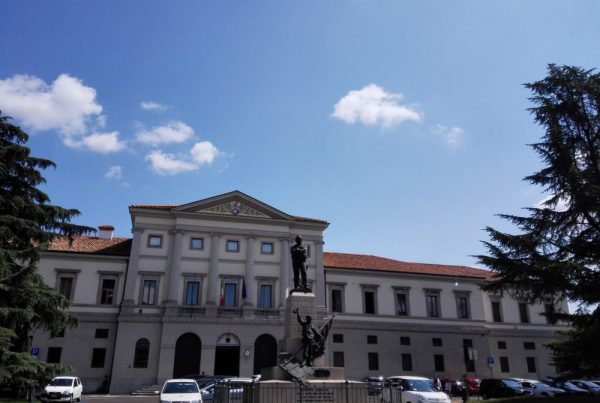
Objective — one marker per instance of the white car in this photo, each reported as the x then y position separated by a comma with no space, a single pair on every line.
180,390
412,389
62,389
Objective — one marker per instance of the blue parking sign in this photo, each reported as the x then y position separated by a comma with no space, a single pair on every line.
35,351
490,360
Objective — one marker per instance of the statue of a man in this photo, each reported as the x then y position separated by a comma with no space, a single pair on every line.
298,252
311,339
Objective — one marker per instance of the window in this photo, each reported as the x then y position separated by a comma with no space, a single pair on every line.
462,306
229,296
531,367
54,355
155,241
523,312
233,246
369,300
436,342
373,362
192,293
101,334
338,338
107,291
98,356
371,339
402,302
149,292
266,248
338,359
142,350
406,362
404,341
501,345
265,296
529,345
496,311
432,302
549,309
65,286
438,363
504,364
197,243
337,299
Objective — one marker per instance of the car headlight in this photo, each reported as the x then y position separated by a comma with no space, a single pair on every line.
66,393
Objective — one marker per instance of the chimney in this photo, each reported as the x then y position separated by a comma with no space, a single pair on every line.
105,231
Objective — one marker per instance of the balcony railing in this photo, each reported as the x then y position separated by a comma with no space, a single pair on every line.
189,311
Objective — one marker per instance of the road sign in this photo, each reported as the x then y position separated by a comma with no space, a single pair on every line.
490,360
35,351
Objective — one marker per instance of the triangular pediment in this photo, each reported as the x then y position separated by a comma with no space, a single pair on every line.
234,204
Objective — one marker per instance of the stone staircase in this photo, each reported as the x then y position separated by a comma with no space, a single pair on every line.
147,390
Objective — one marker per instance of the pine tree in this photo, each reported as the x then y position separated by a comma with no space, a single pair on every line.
28,223
556,253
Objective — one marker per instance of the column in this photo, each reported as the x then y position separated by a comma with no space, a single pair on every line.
175,267
249,273
320,274
284,270
132,267
213,269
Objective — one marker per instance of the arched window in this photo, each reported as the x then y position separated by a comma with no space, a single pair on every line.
142,349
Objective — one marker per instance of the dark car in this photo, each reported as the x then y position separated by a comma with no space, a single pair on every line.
491,387
572,389
375,384
587,385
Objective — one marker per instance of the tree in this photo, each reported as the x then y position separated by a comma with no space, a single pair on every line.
28,223
556,253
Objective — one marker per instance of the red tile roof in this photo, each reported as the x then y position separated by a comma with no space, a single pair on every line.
92,245
376,263
172,206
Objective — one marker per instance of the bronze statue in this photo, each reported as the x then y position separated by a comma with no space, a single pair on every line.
313,340
298,252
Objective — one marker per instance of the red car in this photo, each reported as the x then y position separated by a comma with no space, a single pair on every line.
473,385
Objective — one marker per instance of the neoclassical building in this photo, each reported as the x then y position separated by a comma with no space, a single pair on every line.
201,288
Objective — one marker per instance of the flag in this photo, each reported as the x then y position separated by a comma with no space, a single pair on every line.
244,295
222,298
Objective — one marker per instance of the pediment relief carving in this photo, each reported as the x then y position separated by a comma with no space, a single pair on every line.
233,208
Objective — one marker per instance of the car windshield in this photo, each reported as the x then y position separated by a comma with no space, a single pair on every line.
61,382
511,383
569,385
542,385
180,387
418,385
590,384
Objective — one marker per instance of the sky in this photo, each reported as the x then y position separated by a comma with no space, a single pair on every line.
404,124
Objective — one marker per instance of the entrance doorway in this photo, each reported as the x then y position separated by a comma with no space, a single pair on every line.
265,352
227,355
187,355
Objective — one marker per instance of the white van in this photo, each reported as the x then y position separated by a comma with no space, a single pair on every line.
412,389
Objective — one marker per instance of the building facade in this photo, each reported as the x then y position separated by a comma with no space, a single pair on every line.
201,288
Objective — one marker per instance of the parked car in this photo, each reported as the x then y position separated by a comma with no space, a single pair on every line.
234,386
180,390
62,389
572,389
539,388
491,387
473,385
411,389
456,388
375,384
587,385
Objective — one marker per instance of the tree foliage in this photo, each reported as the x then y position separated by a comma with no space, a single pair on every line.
28,223
556,253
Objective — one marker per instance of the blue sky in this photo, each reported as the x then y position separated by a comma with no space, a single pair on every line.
403,124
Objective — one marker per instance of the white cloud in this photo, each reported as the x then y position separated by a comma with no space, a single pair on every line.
103,143
452,135
152,106
373,106
114,172
168,164
66,105
561,204
204,153
172,132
